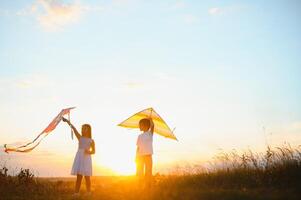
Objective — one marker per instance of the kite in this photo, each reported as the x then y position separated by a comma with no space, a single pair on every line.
161,127
33,144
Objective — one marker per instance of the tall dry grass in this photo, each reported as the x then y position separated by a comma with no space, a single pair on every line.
274,174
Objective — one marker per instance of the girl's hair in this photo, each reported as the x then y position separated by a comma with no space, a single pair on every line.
86,131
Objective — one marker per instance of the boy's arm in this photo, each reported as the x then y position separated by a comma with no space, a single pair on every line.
137,149
152,126
137,153
73,128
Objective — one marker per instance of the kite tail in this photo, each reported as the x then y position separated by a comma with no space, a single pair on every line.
26,147
22,146
22,149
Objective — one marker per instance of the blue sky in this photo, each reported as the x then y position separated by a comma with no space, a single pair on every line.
218,70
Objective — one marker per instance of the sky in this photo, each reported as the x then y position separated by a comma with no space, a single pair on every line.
224,73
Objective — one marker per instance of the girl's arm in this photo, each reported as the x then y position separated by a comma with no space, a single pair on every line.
92,148
73,128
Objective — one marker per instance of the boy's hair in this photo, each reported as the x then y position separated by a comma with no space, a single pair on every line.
144,124
86,130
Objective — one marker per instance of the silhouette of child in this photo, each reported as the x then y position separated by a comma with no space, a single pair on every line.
82,165
144,162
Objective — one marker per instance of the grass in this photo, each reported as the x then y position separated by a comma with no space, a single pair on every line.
276,174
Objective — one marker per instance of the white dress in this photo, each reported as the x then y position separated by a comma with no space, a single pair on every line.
82,164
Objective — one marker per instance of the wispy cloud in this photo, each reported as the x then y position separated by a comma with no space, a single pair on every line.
29,81
32,81
187,18
133,85
223,10
25,84
166,77
121,2
190,18
54,15
215,11
178,5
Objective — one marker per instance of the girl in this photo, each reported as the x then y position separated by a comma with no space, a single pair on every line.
82,165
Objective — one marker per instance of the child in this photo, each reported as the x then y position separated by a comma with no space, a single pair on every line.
82,165
144,162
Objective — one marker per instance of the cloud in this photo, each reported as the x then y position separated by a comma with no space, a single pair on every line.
24,84
133,85
215,11
223,10
32,81
178,5
54,15
166,77
57,15
122,2
28,81
190,18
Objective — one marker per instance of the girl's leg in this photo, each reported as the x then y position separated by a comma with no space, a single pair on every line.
88,183
78,182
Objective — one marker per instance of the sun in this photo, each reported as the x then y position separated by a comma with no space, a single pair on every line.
119,162
122,168
116,151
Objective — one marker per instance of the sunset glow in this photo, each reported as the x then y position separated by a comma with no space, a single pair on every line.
224,74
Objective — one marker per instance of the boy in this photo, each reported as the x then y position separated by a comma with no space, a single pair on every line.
144,162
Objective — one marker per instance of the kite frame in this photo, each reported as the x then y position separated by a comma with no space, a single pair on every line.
151,109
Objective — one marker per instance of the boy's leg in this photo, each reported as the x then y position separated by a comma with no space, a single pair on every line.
88,183
78,182
139,166
148,170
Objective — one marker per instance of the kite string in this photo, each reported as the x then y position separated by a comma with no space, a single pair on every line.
70,127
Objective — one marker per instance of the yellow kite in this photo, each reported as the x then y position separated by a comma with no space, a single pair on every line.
160,126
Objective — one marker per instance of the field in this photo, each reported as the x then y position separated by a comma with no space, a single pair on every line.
276,174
